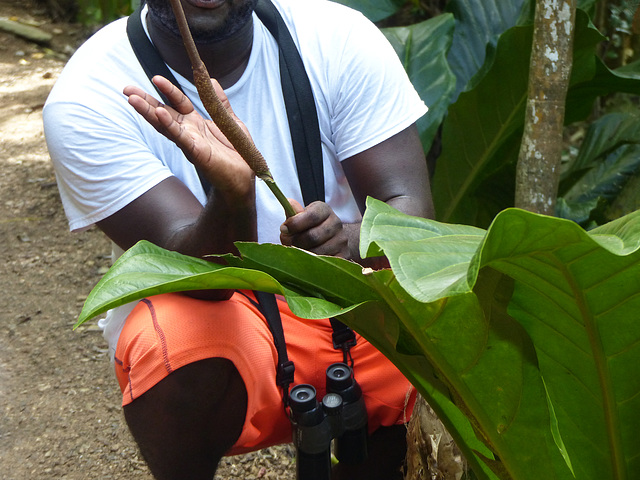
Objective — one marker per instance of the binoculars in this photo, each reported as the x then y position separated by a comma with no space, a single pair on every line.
341,415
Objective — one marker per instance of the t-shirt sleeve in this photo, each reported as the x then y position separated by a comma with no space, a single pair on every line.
101,164
375,99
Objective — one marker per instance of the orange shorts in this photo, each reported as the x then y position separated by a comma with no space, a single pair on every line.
166,332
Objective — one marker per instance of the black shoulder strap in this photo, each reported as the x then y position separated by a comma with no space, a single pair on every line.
147,54
300,105
268,306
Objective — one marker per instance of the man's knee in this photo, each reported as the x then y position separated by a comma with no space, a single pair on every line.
212,387
208,383
196,413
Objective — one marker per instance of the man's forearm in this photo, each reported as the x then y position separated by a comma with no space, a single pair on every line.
222,223
219,226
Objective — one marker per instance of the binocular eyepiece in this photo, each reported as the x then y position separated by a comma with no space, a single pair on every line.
341,415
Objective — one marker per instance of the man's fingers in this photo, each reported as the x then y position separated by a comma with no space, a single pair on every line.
132,91
144,108
297,207
310,227
176,98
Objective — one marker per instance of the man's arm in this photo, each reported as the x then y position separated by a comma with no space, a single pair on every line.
394,171
170,216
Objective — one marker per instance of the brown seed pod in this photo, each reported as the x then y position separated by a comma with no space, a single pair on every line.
227,125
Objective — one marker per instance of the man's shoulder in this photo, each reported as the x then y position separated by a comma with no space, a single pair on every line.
107,41
104,63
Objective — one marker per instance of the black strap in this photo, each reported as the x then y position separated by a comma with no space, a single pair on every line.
305,132
268,306
300,105
343,339
147,54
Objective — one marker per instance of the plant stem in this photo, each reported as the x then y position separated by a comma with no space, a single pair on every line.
273,186
228,126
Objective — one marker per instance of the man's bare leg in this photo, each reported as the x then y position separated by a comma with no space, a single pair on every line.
186,423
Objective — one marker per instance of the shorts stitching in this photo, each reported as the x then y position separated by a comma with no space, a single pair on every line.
161,336
128,372
130,384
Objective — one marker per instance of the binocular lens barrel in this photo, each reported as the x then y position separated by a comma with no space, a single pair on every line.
311,434
351,445
313,466
303,398
341,416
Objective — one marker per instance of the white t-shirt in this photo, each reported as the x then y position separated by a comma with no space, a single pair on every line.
106,155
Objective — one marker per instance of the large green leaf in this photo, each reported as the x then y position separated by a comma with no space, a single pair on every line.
577,294
471,318
422,48
147,270
481,127
602,81
478,24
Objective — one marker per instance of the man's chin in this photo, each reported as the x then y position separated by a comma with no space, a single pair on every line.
204,32
206,3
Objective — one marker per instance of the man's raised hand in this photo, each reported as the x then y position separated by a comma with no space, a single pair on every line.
200,139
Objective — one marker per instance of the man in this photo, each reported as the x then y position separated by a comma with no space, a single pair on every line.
197,374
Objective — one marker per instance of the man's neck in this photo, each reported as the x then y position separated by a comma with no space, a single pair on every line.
225,60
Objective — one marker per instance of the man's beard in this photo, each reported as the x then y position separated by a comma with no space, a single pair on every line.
239,15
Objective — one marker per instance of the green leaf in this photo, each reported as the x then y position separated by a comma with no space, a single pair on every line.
481,127
422,48
627,201
577,295
602,81
145,270
609,157
478,23
374,10
605,135
430,259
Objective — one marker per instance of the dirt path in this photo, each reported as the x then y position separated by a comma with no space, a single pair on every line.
59,403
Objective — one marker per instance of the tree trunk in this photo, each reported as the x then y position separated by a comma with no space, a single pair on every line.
431,452
538,170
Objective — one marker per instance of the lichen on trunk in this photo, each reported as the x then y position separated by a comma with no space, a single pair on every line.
538,170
